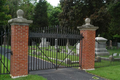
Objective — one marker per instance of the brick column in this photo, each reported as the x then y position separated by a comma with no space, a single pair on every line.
19,45
88,45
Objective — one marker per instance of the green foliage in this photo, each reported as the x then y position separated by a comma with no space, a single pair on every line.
114,11
74,12
28,9
53,18
116,36
40,18
4,17
29,77
25,5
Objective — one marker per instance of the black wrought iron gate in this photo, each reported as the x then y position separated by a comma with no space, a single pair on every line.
54,47
5,49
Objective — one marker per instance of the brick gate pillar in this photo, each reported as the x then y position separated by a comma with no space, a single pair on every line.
88,45
19,45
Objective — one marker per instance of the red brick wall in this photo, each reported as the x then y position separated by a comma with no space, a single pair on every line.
88,49
19,47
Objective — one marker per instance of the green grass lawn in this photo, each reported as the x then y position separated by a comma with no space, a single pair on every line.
7,76
109,63
111,51
4,66
111,72
29,77
50,54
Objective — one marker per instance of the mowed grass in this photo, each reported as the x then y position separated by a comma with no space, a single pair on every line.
111,51
5,76
108,70
105,63
29,77
50,54
4,65
111,72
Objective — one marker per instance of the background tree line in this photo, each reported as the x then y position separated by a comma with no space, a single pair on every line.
69,13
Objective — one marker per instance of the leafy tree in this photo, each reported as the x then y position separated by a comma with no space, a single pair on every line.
28,9
49,11
13,6
40,15
4,17
26,5
53,18
115,19
75,11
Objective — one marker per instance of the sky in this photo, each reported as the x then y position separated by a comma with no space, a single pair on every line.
53,2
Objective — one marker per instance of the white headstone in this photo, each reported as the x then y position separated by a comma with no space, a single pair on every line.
100,46
44,43
119,54
70,52
118,45
115,54
56,44
77,48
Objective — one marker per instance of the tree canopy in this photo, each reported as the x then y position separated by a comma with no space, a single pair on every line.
4,9
40,18
70,13
53,15
114,28
75,11
26,5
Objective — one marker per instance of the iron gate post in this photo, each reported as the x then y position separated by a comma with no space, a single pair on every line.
19,45
87,52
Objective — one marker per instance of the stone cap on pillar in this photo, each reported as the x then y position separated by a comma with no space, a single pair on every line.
20,20
87,25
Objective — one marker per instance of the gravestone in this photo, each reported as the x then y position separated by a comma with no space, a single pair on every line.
56,43
67,61
77,48
118,44
100,46
63,51
70,52
98,59
115,54
119,54
111,58
44,43
67,44
110,44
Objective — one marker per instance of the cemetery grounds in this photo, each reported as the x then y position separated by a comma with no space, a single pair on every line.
105,69
108,69
50,54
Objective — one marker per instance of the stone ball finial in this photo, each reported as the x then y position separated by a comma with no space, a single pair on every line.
87,21
20,13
